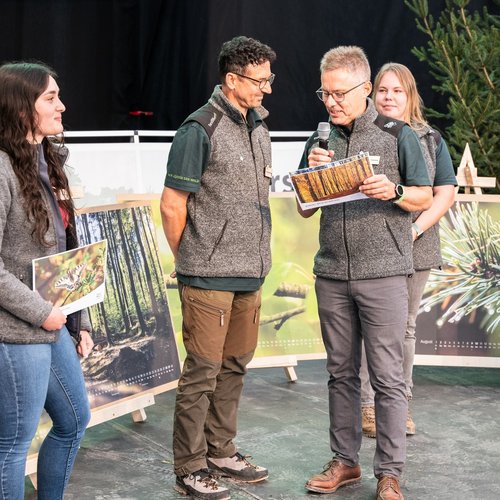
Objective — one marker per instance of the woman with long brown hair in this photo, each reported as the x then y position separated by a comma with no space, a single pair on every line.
39,365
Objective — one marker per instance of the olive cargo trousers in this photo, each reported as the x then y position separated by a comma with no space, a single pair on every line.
220,332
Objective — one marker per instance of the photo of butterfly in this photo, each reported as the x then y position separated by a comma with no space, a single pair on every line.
71,279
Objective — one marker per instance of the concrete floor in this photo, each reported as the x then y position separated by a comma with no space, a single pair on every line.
284,426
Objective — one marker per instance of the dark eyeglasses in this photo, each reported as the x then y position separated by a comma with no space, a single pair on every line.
337,96
262,83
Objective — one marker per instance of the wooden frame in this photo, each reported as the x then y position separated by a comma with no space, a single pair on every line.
467,175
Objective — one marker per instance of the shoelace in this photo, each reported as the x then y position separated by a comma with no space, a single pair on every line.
243,458
368,415
207,479
329,465
389,484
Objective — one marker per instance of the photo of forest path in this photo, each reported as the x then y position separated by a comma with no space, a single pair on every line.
132,329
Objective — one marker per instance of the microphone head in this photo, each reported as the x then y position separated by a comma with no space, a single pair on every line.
323,130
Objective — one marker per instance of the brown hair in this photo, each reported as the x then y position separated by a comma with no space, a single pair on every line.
413,114
21,83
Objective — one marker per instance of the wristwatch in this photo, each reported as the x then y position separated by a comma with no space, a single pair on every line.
400,194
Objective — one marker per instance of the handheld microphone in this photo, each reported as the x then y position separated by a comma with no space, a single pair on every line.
323,133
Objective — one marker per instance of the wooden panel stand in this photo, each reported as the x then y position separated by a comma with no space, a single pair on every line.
287,362
133,404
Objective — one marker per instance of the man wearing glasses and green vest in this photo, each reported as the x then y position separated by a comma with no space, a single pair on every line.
216,217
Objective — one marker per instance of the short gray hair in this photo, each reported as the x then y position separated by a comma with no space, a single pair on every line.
348,57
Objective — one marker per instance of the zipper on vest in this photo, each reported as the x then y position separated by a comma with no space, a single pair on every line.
251,145
257,186
344,221
220,312
219,238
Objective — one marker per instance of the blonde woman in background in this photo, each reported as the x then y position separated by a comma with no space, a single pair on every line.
395,95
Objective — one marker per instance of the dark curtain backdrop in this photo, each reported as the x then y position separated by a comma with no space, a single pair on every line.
160,56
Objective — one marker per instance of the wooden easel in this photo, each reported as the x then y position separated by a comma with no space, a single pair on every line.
467,175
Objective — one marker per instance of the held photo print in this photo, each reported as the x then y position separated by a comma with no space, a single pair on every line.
334,182
72,280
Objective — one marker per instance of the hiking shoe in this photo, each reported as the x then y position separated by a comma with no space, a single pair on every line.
201,484
368,421
388,489
411,428
335,475
239,468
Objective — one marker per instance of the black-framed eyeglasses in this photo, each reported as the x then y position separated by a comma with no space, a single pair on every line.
337,96
262,83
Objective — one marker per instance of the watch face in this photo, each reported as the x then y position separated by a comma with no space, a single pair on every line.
399,190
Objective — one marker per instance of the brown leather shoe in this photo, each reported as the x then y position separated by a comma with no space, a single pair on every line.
411,428
388,489
335,475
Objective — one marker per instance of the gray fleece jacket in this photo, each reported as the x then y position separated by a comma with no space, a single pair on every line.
22,311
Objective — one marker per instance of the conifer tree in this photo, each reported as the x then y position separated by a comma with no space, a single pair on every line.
463,52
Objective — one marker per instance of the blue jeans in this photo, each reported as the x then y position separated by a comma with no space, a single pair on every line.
33,377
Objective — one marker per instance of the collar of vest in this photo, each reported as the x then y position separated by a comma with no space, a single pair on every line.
366,119
219,100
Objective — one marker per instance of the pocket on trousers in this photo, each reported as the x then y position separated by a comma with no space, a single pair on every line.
205,321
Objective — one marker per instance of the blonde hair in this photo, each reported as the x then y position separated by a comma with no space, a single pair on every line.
413,114
348,57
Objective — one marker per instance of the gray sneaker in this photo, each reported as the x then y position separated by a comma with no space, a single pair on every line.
201,484
238,467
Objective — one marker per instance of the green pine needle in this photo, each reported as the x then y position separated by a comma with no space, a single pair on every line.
470,276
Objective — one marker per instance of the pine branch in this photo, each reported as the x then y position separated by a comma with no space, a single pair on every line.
474,46
469,280
462,100
463,53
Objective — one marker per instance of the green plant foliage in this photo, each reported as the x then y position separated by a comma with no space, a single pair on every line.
463,53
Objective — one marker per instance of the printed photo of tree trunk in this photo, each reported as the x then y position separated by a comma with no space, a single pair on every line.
134,339
332,180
